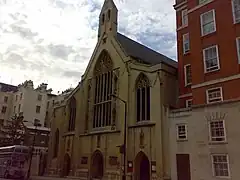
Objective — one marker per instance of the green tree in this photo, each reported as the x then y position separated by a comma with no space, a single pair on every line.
15,130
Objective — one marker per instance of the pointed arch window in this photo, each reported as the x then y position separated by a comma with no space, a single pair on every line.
88,106
109,14
103,18
143,98
103,73
56,143
72,117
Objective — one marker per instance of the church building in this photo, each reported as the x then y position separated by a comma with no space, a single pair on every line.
115,121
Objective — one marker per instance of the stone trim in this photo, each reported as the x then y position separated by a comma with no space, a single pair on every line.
176,6
185,95
100,132
199,6
208,83
142,124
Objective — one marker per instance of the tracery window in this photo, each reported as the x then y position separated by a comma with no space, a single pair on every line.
56,143
88,105
143,98
102,107
72,117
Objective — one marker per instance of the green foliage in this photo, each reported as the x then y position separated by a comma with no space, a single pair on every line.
15,129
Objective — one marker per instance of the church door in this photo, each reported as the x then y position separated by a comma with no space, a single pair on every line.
142,167
66,165
97,165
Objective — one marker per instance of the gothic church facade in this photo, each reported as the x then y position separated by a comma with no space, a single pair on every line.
123,79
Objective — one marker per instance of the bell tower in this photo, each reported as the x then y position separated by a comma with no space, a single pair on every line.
108,19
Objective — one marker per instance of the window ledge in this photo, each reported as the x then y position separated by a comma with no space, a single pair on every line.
223,177
143,123
188,85
199,6
186,53
212,71
236,22
216,102
100,132
182,27
217,142
209,34
182,140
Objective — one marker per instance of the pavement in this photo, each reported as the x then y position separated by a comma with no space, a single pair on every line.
51,178
43,178
46,178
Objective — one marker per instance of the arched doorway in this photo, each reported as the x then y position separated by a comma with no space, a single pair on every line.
66,165
142,167
97,165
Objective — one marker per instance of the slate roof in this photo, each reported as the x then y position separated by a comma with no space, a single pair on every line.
145,54
8,88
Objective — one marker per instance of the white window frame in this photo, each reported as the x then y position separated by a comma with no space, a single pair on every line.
184,16
213,139
186,36
187,101
214,20
213,169
238,48
207,94
185,74
234,17
204,59
178,136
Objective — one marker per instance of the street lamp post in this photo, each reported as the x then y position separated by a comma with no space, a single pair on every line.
32,148
125,135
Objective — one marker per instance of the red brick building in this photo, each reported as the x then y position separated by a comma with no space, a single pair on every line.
208,37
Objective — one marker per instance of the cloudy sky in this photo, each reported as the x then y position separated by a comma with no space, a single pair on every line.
51,41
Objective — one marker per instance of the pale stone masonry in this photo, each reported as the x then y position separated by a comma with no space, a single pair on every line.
88,128
211,140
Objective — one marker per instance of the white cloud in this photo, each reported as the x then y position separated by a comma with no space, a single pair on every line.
52,40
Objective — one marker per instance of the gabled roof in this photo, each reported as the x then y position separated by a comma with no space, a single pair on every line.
143,53
8,88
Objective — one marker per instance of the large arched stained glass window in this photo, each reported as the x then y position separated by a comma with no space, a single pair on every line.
103,73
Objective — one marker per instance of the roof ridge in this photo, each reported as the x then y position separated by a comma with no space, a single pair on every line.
145,46
143,52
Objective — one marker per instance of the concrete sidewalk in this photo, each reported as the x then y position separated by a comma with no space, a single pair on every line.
52,178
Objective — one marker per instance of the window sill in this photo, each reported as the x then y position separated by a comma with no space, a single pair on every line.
143,123
199,6
102,129
94,132
186,53
182,140
182,27
209,34
236,22
214,102
217,142
223,177
212,71
188,85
